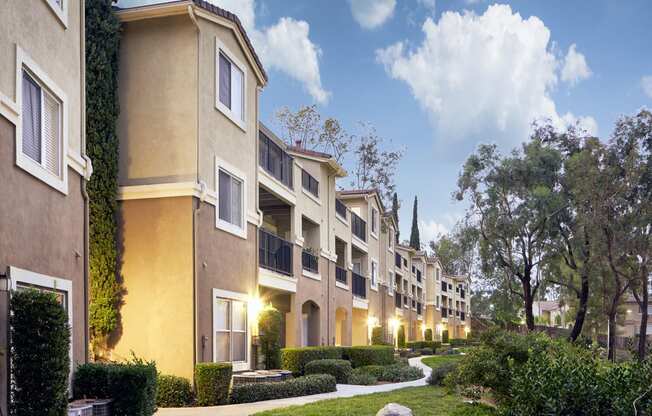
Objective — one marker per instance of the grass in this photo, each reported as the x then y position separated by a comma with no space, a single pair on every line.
424,401
435,361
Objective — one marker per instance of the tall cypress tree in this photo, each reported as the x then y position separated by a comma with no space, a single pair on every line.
415,242
395,213
102,45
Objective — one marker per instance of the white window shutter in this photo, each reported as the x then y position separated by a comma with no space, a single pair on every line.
51,134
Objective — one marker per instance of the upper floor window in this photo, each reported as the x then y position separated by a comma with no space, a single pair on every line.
309,183
358,227
60,10
274,160
374,274
231,86
231,201
374,221
340,208
405,263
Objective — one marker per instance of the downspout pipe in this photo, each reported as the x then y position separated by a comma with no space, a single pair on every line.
88,171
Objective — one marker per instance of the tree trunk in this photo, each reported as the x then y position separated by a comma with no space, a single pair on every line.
581,309
611,339
528,300
642,339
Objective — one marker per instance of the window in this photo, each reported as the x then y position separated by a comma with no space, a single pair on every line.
405,263
231,86
309,183
230,320
231,200
41,143
274,160
414,269
374,274
374,221
60,9
437,274
391,283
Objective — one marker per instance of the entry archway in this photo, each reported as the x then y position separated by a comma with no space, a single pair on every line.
310,324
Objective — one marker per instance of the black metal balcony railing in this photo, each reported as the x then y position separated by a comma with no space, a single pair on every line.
340,274
450,312
462,293
418,308
457,313
309,183
309,262
358,227
340,208
444,313
444,287
418,275
275,161
275,253
397,260
397,300
463,316
359,285
414,303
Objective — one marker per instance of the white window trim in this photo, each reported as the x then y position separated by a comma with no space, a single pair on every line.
219,46
17,275
373,233
60,12
373,286
242,297
219,223
60,183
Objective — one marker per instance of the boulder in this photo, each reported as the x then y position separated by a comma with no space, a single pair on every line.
394,409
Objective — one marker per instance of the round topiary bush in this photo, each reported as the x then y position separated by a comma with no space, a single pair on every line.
401,337
340,369
173,391
269,329
40,359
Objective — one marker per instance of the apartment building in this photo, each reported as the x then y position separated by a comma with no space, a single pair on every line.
42,162
631,325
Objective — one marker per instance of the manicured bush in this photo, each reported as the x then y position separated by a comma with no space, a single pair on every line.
295,359
373,370
212,382
400,337
301,386
173,391
340,369
457,342
419,345
439,373
131,385
401,361
428,334
362,379
269,329
444,336
399,373
377,336
40,360
371,355
426,351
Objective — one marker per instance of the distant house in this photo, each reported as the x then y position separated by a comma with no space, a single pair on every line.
550,313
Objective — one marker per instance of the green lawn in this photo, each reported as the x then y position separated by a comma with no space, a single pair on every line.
434,361
424,401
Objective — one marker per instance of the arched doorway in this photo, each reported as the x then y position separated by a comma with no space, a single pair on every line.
310,324
340,326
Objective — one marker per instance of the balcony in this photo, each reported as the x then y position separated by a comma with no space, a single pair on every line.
358,227
463,316
275,253
397,300
418,275
397,260
275,161
444,286
359,286
309,183
414,304
340,275
462,293
340,208
444,313
406,302
309,261
418,308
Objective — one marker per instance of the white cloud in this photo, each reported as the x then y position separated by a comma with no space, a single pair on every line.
431,230
372,13
646,83
483,76
285,46
575,67
428,4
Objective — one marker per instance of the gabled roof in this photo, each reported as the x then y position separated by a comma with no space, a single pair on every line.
363,192
318,157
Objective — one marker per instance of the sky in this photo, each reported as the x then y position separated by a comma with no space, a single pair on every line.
438,77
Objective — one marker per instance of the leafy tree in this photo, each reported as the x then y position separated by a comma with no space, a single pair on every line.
415,241
269,328
458,250
395,207
102,47
512,197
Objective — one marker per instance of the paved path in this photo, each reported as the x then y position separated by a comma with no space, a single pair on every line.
343,390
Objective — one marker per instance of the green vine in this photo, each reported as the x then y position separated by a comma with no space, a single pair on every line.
102,46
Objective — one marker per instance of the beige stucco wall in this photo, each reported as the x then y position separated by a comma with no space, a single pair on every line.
157,268
157,126
34,27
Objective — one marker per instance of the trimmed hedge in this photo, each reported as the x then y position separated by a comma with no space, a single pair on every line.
439,373
340,369
398,373
419,345
400,337
373,370
444,336
371,355
173,391
212,381
295,359
301,386
40,362
426,351
131,385
269,328
377,336
360,378
457,342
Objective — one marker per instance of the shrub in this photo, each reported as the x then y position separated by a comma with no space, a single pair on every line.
439,373
457,342
340,369
362,379
301,386
40,362
269,329
212,381
401,361
295,359
400,337
173,391
371,355
373,370
419,345
131,385
377,336
444,336
428,334
426,351
399,373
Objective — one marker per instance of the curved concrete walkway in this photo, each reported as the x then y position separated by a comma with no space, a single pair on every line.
343,390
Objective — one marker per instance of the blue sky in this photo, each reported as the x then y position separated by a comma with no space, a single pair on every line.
437,77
